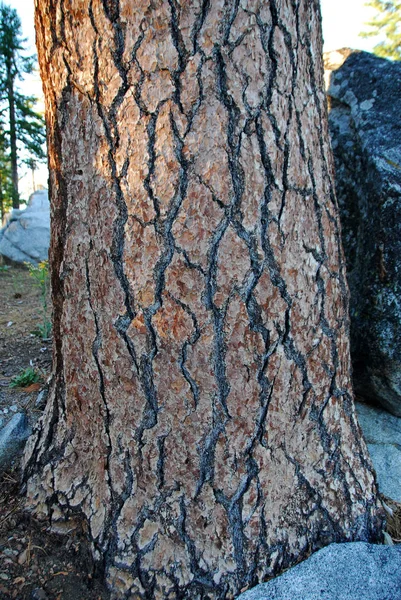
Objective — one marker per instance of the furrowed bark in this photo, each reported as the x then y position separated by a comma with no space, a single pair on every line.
201,417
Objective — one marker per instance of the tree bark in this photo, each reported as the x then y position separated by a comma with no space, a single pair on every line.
200,415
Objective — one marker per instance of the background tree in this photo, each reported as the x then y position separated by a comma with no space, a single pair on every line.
25,127
6,187
387,24
32,166
200,416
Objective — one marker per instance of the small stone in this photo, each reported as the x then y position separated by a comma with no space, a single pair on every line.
4,576
39,594
14,408
23,557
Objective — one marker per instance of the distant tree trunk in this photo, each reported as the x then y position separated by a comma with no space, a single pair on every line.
2,211
13,140
200,415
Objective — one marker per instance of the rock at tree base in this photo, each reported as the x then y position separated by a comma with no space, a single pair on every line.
338,572
26,236
365,98
12,439
382,433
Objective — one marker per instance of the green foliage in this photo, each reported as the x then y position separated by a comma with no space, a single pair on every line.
386,23
30,126
23,128
40,275
26,377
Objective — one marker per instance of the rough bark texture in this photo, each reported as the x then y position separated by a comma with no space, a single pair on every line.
200,413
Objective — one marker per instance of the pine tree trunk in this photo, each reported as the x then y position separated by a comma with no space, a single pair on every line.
13,140
200,415
2,211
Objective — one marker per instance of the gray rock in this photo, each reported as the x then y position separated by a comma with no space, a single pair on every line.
364,97
39,594
354,571
378,426
387,463
26,235
382,433
12,439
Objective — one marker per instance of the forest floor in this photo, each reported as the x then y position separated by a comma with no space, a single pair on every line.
35,564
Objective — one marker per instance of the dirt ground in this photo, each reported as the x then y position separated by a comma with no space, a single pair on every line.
34,563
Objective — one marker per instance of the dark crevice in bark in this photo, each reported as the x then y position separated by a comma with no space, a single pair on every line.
266,219
202,578
112,513
287,128
112,10
52,15
96,345
207,451
189,343
233,508
143,111
255,316
110,124
197,26
218,315
116,508
182,52
194,110
297,357
336,532
233,133
188,262
151,133
230,10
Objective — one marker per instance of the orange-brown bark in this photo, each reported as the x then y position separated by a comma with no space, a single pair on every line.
200,414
